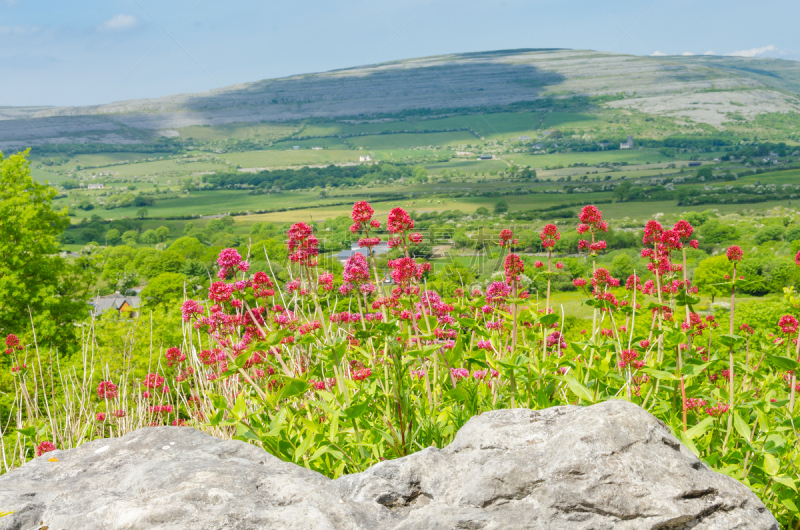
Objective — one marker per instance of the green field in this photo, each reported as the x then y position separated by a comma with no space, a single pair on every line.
300,157
405,141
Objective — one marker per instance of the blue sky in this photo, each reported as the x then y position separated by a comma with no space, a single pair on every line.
92,52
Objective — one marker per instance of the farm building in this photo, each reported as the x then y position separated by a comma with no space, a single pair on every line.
125,306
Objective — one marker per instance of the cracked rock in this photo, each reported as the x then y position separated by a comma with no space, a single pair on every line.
611,465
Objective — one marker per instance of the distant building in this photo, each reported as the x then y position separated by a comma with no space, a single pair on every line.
628,144
695,164
125,306
316,148
364,158
296,147
523,138
96,186
380,248
486,157
538,146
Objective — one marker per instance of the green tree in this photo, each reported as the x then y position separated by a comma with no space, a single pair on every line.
162,233
163,290
622,266
501,206
188,227
188,247
130,237
113,237
32,275
141,213
149,237
710,273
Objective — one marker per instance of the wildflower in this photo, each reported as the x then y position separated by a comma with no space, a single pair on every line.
695,403
484,345
100,417
356,269
513,268
415,238
602,278
229,260
597,247
399,221
174,356
360,375
797,258
190,308
717,410
630,357
45,447
459,373
302,245
684,229
590,215
559,265
362,215
538,264
497,292
579,282
652,232
556,339
506,236
153,381
549,236
119,413
644,344
12,342
325,281
788,324
107,390
734,253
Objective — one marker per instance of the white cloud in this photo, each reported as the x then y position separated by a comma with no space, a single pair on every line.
687,54
754,52
16,31
658,54
710,53
120,23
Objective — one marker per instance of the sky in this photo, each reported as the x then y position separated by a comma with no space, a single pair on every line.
90,52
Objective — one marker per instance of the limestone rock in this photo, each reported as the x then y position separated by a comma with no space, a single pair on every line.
611,465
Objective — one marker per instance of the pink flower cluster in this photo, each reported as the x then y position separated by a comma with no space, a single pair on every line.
107,390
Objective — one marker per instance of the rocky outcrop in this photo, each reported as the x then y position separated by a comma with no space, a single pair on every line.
611,465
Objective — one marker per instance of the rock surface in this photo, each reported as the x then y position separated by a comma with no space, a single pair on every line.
611,465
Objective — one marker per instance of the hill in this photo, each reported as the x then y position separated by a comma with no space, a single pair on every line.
700,90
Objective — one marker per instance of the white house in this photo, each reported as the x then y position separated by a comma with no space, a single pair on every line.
96,186
364,158
628,144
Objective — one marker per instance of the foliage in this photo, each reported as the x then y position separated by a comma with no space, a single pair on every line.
35,283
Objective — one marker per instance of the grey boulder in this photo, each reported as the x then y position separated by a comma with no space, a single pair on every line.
611,465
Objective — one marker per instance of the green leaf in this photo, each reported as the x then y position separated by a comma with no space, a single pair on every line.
292,387
549,320
771,465
689,443
730,340
30,432
579,390
239,408
786,481
658,374
784,363
699,429
741,426
355,411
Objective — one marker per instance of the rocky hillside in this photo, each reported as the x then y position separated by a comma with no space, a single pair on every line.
701,89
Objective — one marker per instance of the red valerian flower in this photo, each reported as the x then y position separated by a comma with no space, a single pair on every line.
45,447
325,281
506,236
190,308
652,232
549,236
362,213
590,215
735,253
788,324
101,417
302,244
513,268
399,221
174,355
415,238
797,258
153,381
684,229
12,341
579,282
107,390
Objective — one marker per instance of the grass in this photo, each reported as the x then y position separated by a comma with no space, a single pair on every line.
291,157
239,131
405,141
592,158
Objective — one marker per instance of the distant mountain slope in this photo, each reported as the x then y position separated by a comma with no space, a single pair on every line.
703,89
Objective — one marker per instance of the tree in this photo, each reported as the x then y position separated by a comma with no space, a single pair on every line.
164,289
162,233
711,272
32,275
130,237
149,237
188,227
501,206
113,237
141,213
482,211
188,247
